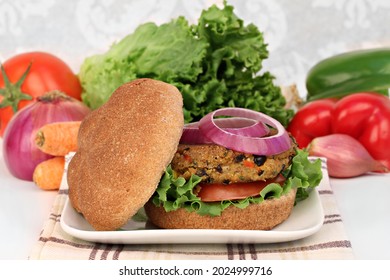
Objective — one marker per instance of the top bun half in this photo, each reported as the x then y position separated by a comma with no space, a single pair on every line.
123,148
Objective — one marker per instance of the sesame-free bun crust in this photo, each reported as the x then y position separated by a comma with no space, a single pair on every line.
263,216
123,148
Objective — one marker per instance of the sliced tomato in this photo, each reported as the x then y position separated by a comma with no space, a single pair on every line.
219,192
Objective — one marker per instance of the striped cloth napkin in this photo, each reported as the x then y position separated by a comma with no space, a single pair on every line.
330,242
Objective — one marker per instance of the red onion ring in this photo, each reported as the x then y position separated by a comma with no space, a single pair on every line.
236,125
269,145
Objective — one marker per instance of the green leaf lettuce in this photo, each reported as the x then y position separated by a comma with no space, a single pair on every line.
215,63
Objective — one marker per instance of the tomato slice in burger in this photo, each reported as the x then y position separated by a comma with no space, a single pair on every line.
219,192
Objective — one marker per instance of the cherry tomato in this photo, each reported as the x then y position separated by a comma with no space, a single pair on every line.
46,73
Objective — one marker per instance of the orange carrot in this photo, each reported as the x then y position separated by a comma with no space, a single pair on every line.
59,138
48,174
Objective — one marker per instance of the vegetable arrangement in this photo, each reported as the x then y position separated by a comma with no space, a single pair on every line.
27,76
214,64
21,155
348,97
363,116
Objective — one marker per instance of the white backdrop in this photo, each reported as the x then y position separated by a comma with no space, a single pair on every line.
299,33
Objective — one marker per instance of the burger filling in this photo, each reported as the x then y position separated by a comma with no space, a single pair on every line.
234,157
226,174
209,178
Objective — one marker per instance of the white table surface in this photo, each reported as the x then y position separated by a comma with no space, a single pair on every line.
364,203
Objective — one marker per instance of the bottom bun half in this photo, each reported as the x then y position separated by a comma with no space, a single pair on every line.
263,216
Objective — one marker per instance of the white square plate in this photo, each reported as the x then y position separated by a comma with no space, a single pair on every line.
306,218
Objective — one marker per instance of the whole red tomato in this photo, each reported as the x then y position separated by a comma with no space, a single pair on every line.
46,73
314,119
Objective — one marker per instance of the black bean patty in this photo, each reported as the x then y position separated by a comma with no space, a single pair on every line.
217,164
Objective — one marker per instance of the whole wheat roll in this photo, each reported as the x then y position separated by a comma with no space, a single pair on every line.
263,216
123,148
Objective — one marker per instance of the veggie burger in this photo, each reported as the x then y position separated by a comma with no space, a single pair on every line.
234,169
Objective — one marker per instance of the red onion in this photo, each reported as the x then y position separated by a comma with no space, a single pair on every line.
239,126
268,145
20,152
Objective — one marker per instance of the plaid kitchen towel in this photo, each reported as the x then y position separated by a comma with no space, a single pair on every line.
330,242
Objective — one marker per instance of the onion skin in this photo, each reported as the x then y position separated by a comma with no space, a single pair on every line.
346,156
21,155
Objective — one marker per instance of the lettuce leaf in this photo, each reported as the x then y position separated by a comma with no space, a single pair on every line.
159,52
215,63
175,192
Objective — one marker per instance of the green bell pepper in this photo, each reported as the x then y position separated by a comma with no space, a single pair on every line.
350,72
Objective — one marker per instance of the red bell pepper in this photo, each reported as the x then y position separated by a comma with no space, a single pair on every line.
364,116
